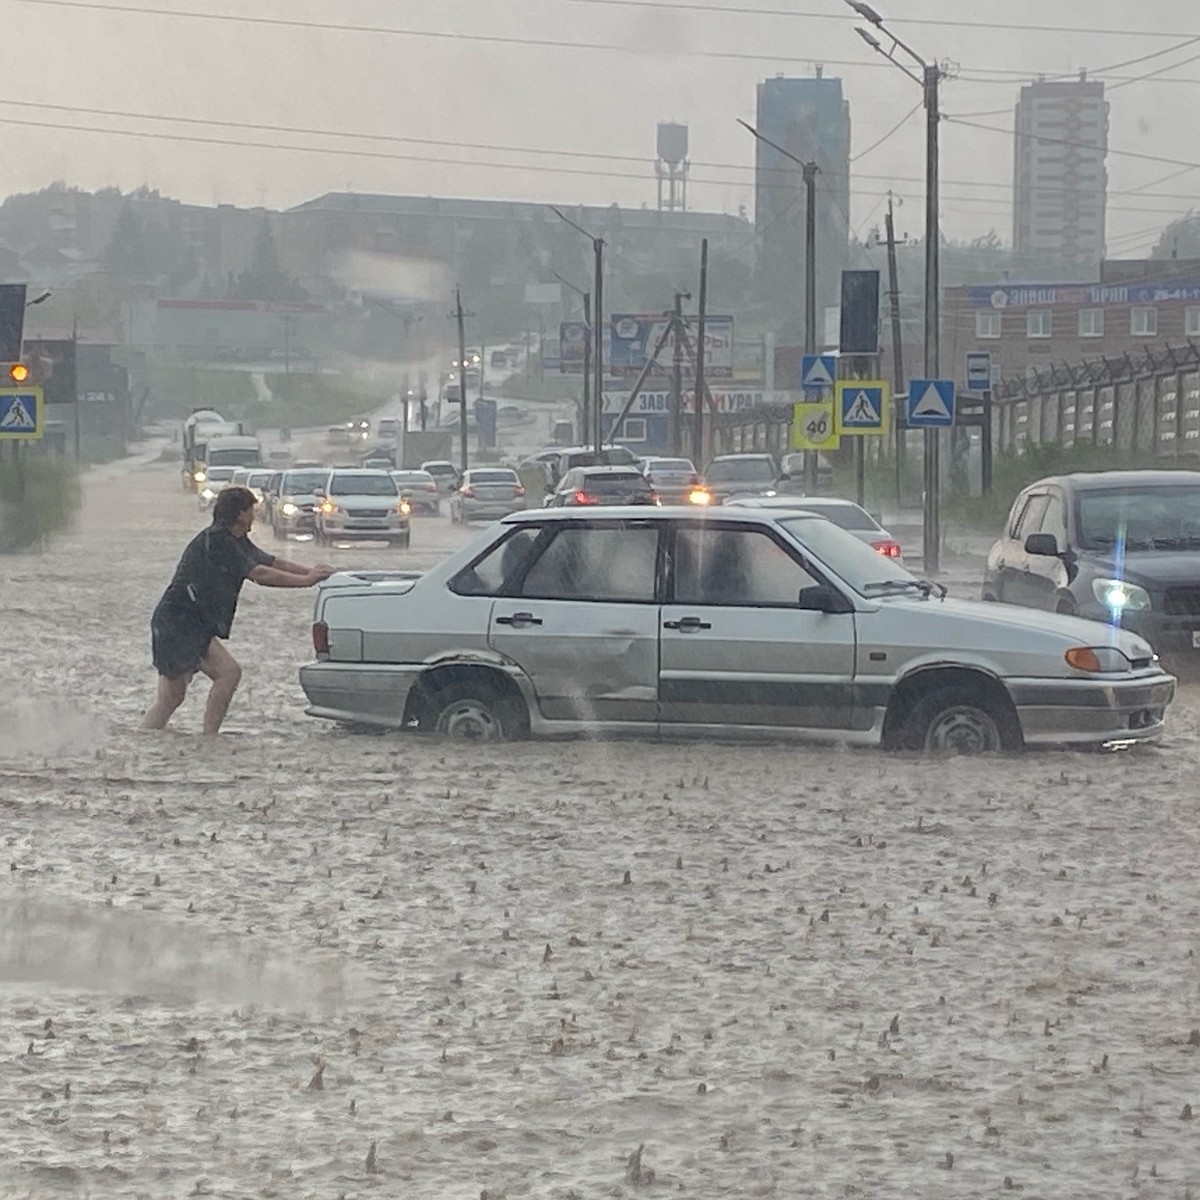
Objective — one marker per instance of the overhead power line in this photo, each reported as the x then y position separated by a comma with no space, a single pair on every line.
838,15
972,74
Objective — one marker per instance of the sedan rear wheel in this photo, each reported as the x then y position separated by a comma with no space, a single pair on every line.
479,716
960,721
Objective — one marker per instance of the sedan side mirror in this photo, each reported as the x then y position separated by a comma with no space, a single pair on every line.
825,599
1042,545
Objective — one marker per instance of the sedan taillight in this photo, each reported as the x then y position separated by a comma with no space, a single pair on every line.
320,637
585,498
888,549
518,490
467,491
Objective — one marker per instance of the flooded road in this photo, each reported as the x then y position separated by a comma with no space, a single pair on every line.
296,962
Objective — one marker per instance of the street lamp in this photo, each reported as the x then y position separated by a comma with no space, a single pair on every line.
39,299
928,79
586,297
597,325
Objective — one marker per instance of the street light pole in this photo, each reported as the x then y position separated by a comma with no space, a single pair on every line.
929,80
597,325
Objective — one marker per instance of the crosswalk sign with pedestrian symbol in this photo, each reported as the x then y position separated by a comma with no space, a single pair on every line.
21,415
861,407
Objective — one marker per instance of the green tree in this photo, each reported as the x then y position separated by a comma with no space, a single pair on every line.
1180,239
265,279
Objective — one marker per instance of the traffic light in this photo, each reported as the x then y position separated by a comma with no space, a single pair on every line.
14,373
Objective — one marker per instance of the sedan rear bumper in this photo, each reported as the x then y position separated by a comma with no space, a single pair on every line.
358,693
1092,712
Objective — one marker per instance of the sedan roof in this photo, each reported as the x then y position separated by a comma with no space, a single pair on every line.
634,512
1088,481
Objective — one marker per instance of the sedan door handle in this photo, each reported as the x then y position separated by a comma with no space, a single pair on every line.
521,618
687,624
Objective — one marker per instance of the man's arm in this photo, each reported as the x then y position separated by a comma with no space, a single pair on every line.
291,568
275,577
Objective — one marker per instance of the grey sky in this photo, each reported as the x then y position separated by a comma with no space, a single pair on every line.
600,102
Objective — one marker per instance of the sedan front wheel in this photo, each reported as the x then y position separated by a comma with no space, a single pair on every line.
958,720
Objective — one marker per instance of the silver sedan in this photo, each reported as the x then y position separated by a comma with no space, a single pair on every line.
714,623
485,494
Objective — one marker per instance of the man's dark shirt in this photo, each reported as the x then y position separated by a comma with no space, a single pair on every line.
209,578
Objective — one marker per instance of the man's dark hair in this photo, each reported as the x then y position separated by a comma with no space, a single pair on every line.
230,504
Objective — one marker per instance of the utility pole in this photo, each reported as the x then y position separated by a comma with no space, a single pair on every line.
932,533
598,351
811,171
675,416
898,384
700,332
928,80
586,415
462,379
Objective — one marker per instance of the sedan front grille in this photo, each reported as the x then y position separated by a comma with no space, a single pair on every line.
368,513
1182,602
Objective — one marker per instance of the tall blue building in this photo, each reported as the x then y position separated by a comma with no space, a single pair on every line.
810,118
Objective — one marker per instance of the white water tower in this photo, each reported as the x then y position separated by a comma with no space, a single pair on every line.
672,166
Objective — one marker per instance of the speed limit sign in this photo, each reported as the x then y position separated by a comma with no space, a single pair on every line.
812,426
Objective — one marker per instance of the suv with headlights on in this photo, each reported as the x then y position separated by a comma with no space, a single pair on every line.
359,506
1118,546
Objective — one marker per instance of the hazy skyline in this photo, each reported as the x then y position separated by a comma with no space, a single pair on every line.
671,62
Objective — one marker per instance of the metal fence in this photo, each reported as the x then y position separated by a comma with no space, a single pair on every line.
1147,404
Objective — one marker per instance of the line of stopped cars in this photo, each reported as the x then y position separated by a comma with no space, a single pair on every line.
767,615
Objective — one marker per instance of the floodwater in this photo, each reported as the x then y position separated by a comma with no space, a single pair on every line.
296,962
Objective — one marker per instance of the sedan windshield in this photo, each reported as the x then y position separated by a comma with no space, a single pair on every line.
741,470
220,474
1160,518
362,485
867,572
303,483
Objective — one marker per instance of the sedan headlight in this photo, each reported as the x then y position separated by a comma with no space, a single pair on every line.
207,494
1102,659
328,507
1119,597
200,476
700,496
288,509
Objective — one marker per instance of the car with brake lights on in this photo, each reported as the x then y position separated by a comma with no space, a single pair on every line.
216,480
358,505
1116,546
703,623
741,475
845,514
291,500
676,480
486,494
421,490
590,487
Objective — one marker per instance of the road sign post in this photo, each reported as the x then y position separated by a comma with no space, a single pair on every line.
931,403
22,415
813,426
861,407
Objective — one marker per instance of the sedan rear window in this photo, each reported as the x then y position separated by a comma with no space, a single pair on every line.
493,477
362,485
844,516
614,481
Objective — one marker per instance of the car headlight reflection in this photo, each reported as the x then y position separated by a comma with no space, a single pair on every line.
1119,596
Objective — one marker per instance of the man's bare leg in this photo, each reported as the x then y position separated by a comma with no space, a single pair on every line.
222,668
170,696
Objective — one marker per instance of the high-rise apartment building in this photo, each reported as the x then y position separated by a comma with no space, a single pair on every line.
1059,179
810,119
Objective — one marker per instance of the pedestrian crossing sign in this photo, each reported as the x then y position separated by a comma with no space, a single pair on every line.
861,407
21,416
